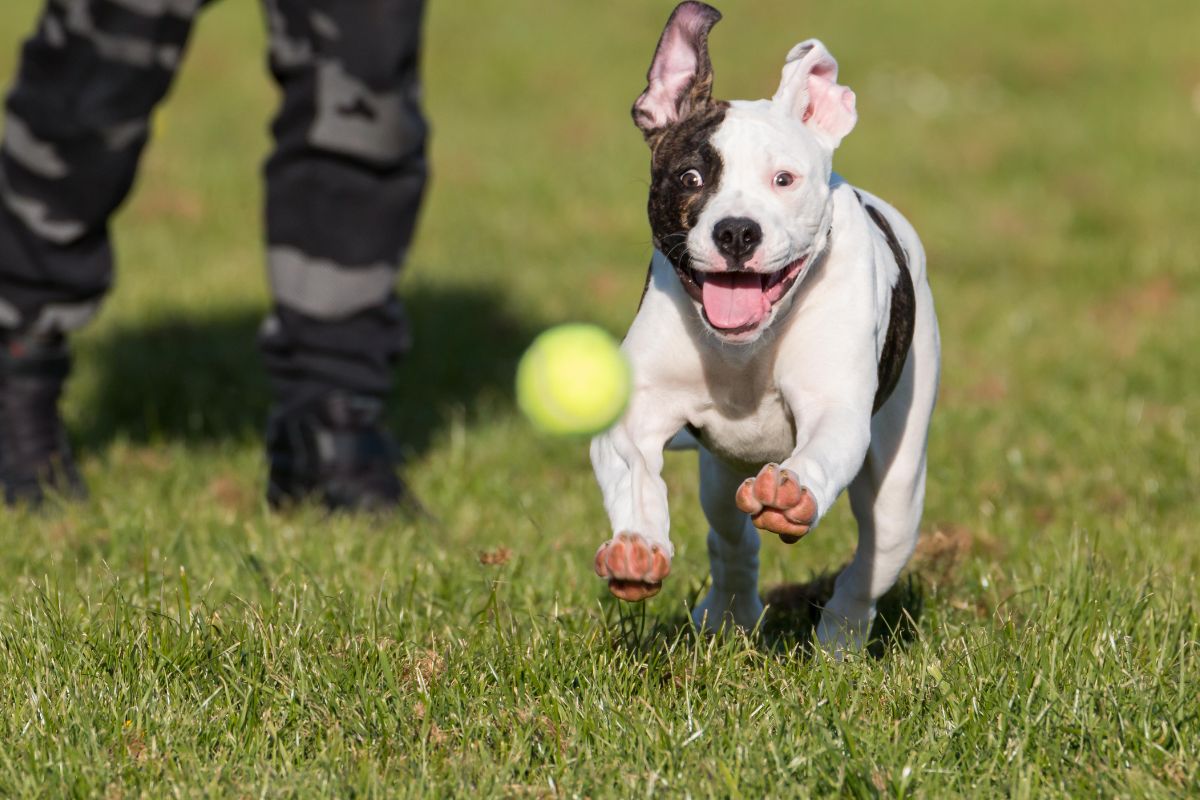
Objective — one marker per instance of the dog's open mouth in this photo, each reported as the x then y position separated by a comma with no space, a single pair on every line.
738,302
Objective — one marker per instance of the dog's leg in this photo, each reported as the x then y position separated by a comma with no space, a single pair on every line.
732,552
887,508
887,497
789,498
628,462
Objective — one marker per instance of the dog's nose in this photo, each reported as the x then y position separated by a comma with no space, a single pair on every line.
736,238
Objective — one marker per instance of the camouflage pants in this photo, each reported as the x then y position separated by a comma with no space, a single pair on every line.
344,182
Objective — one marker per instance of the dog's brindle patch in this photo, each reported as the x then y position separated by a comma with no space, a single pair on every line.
901,317
674,208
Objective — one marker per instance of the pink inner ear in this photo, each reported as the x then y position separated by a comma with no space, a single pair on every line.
676,61
674,65
830,105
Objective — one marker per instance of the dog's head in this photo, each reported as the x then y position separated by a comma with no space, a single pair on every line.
739,195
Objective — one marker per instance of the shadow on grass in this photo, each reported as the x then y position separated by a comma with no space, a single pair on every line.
201,379
793,611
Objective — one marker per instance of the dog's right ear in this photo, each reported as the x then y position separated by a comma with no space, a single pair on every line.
680,76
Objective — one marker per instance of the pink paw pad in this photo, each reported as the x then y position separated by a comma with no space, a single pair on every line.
634,567
776,502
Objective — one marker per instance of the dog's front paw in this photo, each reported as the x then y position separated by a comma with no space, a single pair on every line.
777,502
634,567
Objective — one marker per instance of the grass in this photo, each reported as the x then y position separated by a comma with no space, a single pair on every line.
173,637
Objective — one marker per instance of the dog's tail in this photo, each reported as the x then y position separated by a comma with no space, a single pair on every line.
683,440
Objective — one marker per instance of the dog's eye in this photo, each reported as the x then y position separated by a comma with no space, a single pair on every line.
692,179
784,179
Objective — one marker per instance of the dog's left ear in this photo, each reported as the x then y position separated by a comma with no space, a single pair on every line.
680,76
810,92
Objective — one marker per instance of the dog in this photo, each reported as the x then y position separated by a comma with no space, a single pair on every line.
787,329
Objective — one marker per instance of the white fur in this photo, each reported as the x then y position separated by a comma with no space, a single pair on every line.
799,391
756,142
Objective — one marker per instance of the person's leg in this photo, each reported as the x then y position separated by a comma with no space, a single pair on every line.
75,126
344,185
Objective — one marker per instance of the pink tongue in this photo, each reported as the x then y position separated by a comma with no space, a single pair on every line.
734,299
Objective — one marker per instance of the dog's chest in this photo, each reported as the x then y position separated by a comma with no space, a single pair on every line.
744,420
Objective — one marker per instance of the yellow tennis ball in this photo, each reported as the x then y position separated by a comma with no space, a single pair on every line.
573,379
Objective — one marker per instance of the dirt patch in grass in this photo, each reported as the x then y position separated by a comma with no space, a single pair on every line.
940,553
1126,314
231,494
495,557
425,666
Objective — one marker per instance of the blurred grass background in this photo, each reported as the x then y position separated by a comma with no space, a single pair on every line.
1047,154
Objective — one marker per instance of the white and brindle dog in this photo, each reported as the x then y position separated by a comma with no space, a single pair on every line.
787,326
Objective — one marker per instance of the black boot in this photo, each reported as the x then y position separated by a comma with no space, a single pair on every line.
332,448
34,454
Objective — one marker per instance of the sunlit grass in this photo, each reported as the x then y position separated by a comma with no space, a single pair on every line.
173,637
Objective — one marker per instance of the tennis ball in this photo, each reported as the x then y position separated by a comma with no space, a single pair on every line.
573,379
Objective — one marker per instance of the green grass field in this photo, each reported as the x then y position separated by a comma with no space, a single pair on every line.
171,637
